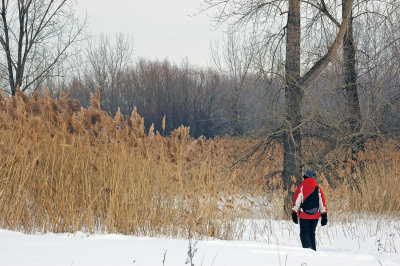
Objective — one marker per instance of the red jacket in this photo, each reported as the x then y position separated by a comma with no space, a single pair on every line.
302,192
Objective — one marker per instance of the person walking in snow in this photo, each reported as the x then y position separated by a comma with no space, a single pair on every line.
308,206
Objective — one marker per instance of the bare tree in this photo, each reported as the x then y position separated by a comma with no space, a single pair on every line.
35,35
235,62
107,59
378,16
257,14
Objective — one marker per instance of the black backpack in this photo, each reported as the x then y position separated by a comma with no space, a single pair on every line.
311,204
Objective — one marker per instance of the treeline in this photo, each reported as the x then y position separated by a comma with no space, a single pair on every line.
213,103
185,95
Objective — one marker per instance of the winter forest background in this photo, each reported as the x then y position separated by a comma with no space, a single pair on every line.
241,92
96,138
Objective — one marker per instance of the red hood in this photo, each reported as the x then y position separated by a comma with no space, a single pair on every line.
309,185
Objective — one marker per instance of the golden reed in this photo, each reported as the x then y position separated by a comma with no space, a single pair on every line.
64,168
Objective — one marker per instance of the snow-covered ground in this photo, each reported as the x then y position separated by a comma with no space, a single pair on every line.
265,243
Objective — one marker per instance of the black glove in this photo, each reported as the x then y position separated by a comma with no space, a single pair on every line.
324,219
294,217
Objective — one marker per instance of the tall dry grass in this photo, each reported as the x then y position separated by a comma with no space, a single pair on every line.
65,168
369,184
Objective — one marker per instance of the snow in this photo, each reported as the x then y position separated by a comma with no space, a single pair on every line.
265,242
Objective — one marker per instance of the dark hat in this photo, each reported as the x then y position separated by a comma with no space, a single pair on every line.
310,173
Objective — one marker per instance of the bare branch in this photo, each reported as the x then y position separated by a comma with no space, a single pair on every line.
324,61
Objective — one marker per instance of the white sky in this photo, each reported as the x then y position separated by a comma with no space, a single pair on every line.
160,28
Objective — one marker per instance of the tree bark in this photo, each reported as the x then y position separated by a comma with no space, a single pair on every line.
293,100
350,80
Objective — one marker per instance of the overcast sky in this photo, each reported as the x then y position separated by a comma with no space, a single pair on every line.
160,28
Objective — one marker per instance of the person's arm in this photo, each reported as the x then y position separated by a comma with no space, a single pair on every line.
322,208
297,200
322,205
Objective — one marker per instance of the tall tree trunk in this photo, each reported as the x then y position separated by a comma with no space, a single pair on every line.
350,80
350,87
293,101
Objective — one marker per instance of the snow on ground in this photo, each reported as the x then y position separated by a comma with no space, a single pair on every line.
266,243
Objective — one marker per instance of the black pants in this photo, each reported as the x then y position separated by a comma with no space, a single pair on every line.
307,233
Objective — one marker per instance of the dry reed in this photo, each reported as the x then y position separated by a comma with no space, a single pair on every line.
65,168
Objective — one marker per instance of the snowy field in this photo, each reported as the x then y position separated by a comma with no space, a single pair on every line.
265,243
